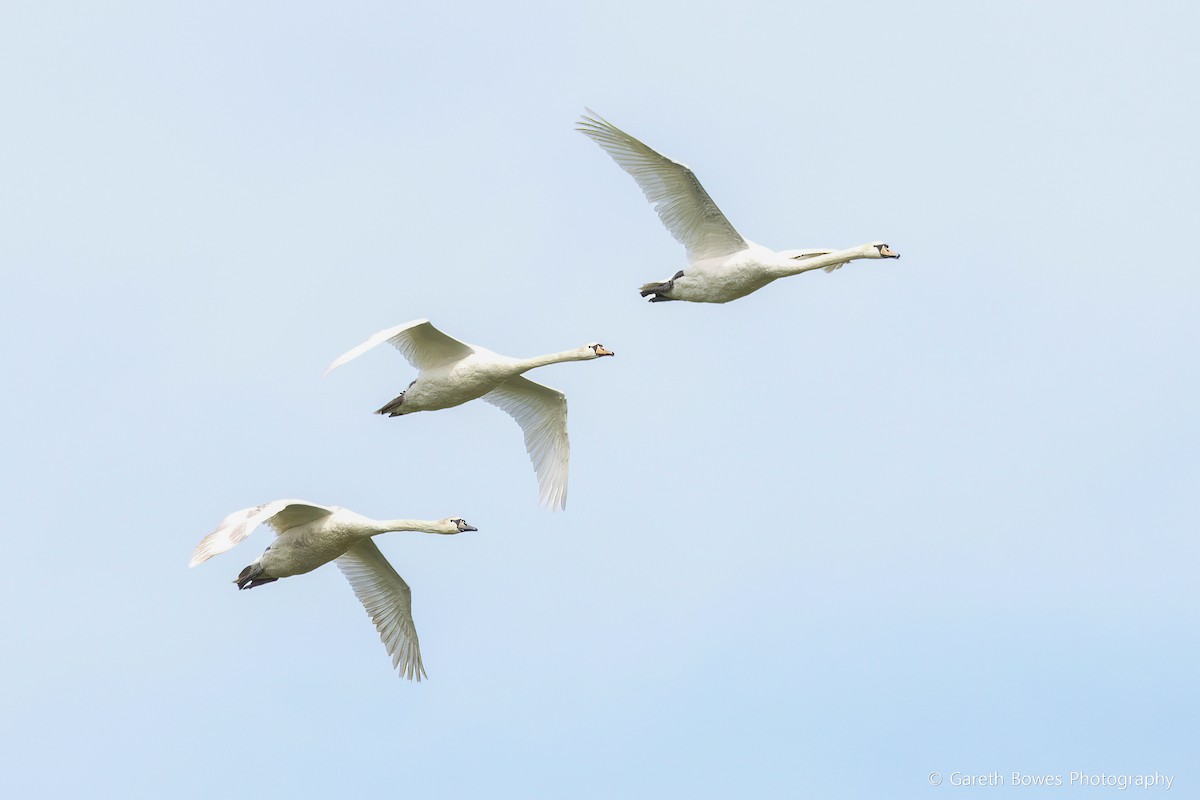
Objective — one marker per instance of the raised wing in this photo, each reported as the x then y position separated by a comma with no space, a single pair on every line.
279,514
542,414
672,188
422,344
388,600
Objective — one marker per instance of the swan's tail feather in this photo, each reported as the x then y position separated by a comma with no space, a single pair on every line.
654,288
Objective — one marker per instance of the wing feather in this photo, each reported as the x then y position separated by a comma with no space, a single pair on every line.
542,414
388,601
418,341
672,188
279,514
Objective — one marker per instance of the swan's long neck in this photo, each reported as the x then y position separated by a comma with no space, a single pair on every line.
580,354
791,266
375,527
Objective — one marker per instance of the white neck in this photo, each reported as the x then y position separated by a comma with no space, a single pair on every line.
791,266
374,527
578,354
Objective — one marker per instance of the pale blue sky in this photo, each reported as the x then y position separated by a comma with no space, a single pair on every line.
933,514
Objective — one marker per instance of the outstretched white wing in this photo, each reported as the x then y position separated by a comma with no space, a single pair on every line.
279,514
388,600
672,188
422,344
542,414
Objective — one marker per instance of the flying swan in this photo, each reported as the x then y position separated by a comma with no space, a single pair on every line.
723,266
452,373
309,535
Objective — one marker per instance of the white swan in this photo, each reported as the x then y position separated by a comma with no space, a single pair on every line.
723,266
451,373
310,535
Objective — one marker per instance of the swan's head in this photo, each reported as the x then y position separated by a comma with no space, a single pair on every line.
598,350
455,525
881,251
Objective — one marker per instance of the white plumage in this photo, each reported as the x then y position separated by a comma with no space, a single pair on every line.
453,373
309,535
723,265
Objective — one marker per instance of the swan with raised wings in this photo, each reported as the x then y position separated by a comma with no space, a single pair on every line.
723,266
453,373
309,535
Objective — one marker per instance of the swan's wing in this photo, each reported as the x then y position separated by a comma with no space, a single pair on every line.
422,344
672,188
542,414
279,514
296,514
388,600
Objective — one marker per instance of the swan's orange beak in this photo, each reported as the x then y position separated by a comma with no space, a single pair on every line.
602,351
887,252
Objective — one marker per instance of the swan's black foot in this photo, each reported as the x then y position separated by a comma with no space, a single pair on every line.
249,577
392,409
660,289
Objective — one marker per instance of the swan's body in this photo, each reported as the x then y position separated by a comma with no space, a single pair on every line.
309,535
723,265
453,373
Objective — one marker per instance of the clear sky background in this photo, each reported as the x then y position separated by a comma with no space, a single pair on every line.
928,514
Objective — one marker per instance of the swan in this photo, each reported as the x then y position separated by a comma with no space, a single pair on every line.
309,535
452,373
723,266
